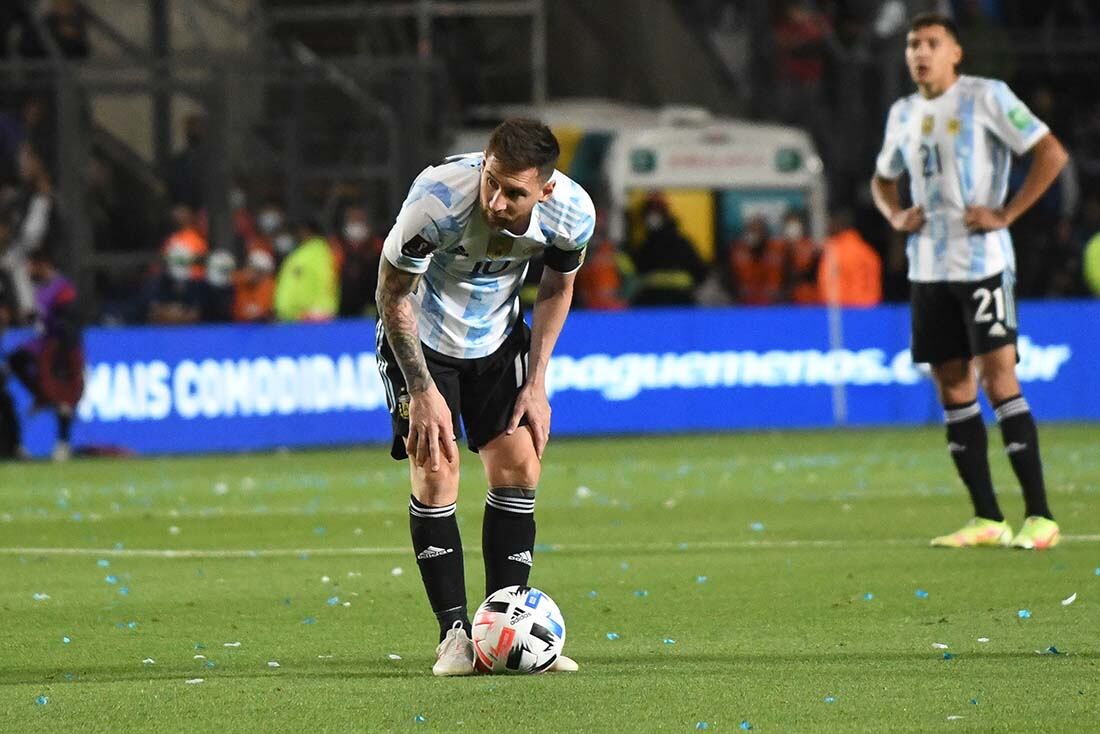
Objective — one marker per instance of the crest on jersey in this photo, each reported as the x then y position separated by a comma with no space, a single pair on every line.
954,125
499,246
927,125
417,247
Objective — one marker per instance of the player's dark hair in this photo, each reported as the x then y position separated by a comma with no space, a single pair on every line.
927,20
520,143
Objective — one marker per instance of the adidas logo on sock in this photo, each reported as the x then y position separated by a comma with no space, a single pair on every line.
432,552
524,558
955,448
997,330
1014,447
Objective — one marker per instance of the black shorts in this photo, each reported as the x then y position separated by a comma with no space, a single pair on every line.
960,320
481,391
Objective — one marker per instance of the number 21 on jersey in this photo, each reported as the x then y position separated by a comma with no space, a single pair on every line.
930,160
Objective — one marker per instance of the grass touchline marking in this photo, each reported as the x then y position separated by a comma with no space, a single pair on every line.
185,553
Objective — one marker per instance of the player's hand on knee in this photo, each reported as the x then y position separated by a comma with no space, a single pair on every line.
533,403
908,220
431,433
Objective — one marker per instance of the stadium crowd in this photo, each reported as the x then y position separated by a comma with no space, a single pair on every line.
278,269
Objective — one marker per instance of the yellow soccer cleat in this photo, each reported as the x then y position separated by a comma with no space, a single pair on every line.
1038,533
978,533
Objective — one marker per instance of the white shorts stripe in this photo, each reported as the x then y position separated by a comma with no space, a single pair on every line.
383,365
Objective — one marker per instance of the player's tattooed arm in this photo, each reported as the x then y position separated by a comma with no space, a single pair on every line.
399,322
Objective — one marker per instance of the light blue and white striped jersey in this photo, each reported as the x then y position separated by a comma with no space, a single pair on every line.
468,297
958,149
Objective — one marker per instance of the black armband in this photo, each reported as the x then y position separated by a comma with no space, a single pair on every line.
563,261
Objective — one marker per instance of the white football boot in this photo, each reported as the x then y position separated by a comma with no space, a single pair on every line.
563,665
61,451
455,655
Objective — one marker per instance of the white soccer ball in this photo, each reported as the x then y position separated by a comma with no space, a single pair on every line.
517,630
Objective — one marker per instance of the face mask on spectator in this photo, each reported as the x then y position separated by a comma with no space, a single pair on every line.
792,230
178,261
261,262
654,221
269,221
219,269
284,243
179,270
356,232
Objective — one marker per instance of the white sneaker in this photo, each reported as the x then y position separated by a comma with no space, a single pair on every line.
455,655
563,665
61,451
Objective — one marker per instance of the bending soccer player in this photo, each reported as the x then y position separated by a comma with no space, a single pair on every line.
452,343
955,138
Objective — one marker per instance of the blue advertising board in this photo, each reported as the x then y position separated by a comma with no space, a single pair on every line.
237,388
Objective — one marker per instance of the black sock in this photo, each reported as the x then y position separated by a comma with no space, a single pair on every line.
1021,439
969,447
11,437
64,425
508,537
438,549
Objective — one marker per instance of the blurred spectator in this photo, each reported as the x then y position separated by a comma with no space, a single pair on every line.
37,223
187,168
757,265
1091,267
244,224
51,365
668,265
29,123
220,296
187,237
308,286
850,273
802,36
67,23
1087,234
359,250
178,295
803,256
273,235
602,281
254,299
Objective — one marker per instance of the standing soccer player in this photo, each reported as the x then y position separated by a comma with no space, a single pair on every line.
452,342
51,365
955,138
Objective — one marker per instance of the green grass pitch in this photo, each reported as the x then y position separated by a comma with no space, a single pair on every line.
778,579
